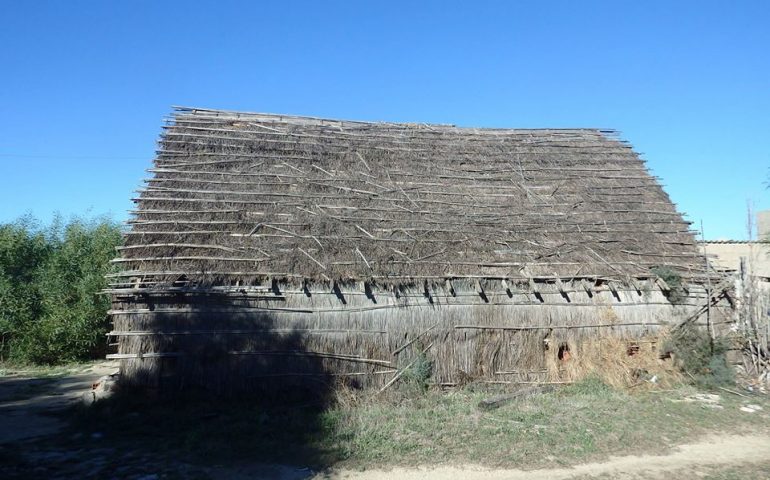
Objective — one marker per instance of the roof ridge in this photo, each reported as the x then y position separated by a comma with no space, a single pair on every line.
732,241
180,110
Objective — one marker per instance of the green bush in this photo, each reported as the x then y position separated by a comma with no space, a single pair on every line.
704,360
676,293
50,309
419,373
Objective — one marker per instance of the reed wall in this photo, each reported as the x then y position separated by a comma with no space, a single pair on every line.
237,338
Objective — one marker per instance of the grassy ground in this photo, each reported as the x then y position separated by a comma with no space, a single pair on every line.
42,371
579,423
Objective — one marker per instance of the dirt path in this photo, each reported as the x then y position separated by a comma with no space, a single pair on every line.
721,450
26,403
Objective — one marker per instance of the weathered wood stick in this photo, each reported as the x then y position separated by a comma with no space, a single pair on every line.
402,371
499,400
312,258
402,347
555,327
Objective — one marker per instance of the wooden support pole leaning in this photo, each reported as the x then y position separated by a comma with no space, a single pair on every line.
402,347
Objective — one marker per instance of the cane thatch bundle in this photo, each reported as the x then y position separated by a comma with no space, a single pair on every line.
276,246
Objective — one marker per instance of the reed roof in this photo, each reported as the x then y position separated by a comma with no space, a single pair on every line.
238,196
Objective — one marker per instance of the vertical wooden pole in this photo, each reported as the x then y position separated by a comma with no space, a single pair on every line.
708,289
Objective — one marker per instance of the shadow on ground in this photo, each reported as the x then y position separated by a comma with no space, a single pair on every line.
269,427
136,435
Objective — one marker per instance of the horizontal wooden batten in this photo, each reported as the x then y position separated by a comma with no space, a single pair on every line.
325,355
373,291
183,125
315,311
304,331
206,176
557,327
181,258
321,355
381,198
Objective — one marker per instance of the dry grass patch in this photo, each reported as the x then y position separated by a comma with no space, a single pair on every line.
619,362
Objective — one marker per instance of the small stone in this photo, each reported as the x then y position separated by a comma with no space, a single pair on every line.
708,397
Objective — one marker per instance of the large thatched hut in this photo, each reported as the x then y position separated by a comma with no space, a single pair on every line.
274,248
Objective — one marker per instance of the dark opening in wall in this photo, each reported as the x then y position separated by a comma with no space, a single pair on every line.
426,293
396,289
338,292
369,293
564,353
274,287
616,294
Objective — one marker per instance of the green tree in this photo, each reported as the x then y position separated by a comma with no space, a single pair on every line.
23,248
51,310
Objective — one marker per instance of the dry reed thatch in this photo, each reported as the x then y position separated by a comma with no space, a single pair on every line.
270,246
621,362
293,197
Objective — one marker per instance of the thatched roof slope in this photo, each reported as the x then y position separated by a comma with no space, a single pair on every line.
244,196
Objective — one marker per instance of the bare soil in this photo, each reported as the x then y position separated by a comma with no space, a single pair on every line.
703,456
28,404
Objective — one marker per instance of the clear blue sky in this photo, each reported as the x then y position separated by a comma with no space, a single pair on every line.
84,85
